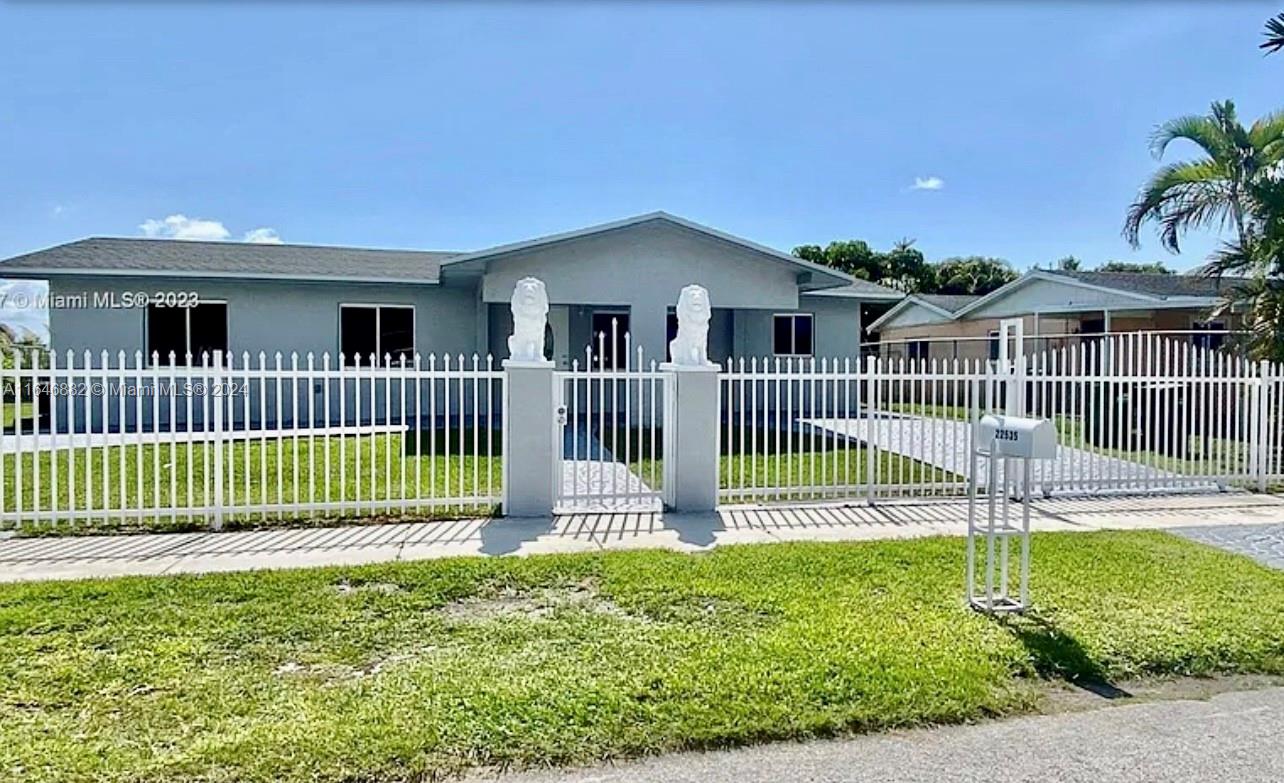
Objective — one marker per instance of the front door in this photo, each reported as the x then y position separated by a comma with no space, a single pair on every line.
609,339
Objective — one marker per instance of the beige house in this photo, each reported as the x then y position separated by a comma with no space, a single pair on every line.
1058,308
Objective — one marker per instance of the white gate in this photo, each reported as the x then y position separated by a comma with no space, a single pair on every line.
611,412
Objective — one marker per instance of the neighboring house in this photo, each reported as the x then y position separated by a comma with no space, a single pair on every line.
1058,308
624,275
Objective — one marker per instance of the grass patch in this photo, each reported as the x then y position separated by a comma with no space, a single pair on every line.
404,671
10,411
170,475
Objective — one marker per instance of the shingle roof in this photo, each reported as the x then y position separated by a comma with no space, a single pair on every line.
1163,286
232,259
860,289
950,302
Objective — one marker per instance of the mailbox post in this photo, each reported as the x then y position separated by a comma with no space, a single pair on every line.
1003,441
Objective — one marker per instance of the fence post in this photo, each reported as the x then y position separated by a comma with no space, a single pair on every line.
215,391
529,460
692,463
1259,425
871,420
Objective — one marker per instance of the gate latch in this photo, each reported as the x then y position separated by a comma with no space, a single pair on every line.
561,415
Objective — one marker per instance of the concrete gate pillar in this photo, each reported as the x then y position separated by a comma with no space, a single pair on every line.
531,435
691,441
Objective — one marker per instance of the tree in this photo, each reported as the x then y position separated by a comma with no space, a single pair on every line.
1148,268
1274,35
902,268
1211,191
853,256
1068,264
974,275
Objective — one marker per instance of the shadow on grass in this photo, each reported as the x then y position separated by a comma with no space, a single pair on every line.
1056,654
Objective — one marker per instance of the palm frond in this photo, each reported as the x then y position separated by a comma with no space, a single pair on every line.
1203,131
1179,196
1274,35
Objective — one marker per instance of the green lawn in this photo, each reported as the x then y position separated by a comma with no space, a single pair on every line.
8,409
259,463
405,671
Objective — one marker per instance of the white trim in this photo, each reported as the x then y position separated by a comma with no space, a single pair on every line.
1052,277
601,228
793,334
35,272
905,304
378,307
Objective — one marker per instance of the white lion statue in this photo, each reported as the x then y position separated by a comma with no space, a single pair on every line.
691,347
530,316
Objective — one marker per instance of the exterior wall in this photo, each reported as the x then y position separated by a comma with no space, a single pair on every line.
268,316
957,339
642,269
1050,296
836,328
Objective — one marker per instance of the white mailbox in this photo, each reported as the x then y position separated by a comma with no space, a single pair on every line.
1013,436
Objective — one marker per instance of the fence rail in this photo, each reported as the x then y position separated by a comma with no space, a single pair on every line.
1134,412
116,441
98,439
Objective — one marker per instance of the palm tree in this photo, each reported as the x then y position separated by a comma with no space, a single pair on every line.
1209,192
1274,35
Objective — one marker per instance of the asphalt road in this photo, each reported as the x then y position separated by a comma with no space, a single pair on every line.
1232,737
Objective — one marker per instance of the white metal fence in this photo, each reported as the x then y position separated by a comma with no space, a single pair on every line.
165,443
111,440
611,416
1134,412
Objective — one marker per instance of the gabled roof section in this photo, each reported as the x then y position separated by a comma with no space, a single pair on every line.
184,258
821,277
943,306
1155,290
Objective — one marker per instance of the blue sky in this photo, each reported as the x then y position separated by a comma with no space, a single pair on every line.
453,126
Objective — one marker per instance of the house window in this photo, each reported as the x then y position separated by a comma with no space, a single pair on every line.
378,331
994,346
609,346
1210,341
792,334
917,350
197,330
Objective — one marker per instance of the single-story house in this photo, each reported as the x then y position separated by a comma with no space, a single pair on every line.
1058,308
301,299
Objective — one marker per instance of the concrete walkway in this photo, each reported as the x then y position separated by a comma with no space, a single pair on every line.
103,556
1235,736
944,443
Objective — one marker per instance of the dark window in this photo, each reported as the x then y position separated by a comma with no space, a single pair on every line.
994,346
1210,341
384,332
917,350
609,330
791,334
207,329
199,330
166,334
671,329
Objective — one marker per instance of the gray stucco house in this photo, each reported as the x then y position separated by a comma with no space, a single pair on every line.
299,298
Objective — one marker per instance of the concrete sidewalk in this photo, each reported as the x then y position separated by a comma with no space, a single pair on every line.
1231,736
103,556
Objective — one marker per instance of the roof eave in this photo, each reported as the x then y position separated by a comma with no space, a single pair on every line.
33,272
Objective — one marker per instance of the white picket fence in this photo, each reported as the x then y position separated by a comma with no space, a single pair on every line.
158,443
1134,413
611,421
124,441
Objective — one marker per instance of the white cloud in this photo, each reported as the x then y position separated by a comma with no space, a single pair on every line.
928,183
262,236
183,227
22,307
